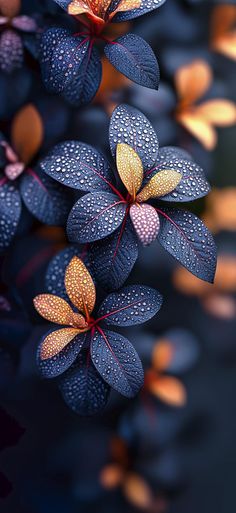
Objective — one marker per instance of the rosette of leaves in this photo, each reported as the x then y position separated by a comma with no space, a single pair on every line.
90,357
136,203
43,197
71,63
15,29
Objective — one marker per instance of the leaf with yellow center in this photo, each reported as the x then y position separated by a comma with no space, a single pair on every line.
79,286
54,309
56,341
130,168
161,184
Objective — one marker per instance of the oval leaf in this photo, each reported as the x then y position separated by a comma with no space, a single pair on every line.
55,275
117,362
132,305
10,211
53,367
188,240
79,286
145,7
94,217
27,133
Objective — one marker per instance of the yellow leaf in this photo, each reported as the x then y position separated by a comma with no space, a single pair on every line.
80,287
130,168
169,389
111,476
161,184
56,341
192,81
199,128
137,491
218,112
127,5
27,133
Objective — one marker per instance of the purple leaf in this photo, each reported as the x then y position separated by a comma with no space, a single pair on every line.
146,6
11,51
133,57
10,211
117,362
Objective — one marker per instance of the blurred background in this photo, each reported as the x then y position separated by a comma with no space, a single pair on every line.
172,449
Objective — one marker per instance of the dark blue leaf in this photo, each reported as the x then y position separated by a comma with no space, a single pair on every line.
133,57
95,216
83,88
56,270
117,362
61,57
188,240
193,185
82,387
171,152
55,366
45,199
131,305
146,6
113,258
78,165
128,125
63,3
10,211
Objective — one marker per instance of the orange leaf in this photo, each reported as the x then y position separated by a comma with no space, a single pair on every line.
162,355
53,308
80,287
127,5
10,8
137,491
170,390
130,168
111,476
27,133
223,34
56,341
199,128
192,81
226,45
161,184
217,112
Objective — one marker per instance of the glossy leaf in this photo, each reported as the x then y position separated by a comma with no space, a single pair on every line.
53,367
11,51
10,211
45,199
133,57
114,257
128,125
193,184
79,166
162,183
131,305
82,387
55,274
63,3
79,286
56,342
130,168
94,217
146,6
53,308
117,362
188,240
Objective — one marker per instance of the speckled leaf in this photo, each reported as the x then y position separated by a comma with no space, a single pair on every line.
55,274
10,211
113,258
83,88
193,185
174,152
79,166
63,3
128,125
82,387
131,305
61,57
53,367
133,57
94,217
117,362
47,200
146,6
187,239
11,51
